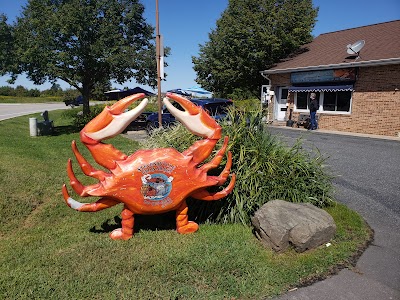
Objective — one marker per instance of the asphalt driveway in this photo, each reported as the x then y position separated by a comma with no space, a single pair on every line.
367,179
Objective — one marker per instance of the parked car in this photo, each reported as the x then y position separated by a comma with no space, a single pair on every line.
216,107
74,102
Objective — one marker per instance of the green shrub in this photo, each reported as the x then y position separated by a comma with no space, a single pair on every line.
152,106
79,120
70,95
266,169
248,104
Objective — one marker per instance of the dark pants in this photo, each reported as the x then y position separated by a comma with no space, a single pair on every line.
314,124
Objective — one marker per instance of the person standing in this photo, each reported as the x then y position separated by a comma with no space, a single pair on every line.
313,111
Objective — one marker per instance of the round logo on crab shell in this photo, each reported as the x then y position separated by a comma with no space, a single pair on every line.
156,186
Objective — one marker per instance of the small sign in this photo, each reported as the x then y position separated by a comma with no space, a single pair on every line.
337,75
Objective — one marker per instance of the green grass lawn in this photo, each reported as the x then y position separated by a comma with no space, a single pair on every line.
50,251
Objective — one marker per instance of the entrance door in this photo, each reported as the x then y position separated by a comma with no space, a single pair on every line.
281,108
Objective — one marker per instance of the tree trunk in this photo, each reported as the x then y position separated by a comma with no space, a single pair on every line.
86,97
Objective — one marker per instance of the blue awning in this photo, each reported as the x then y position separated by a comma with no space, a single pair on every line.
321,88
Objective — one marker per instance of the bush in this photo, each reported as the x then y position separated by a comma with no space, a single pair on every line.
7,91
266,169
248,104
238,93
79,120
70,95
152,106
33,93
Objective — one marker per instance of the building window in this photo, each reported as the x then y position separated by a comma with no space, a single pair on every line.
302,100
343,101
337,101
284,95
328,101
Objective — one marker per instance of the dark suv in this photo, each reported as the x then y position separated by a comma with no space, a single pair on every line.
215,107
74,102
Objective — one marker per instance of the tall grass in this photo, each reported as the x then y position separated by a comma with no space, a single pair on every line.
17,99
265,168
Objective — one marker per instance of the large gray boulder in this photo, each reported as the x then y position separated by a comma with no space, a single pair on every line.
279,224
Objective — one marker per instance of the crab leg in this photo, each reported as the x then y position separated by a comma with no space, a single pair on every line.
217,159
79,188
86,167
123,233
225,173
203,194
126,232
101,204
183,225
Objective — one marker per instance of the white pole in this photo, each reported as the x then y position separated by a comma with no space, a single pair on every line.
33,126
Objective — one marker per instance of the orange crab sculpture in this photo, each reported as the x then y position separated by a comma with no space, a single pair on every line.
149,181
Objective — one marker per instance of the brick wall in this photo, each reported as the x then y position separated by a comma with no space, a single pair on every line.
375,103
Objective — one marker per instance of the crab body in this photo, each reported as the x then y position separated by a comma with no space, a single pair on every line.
149,181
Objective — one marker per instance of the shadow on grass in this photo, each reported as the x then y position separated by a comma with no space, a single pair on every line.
199,212
165,221
68,129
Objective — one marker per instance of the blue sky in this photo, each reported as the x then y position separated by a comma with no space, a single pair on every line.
185,24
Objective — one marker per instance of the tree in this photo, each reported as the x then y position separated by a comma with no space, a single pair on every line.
99,89
33,93
21,91
56,89
85,43
7,91
6,46
250,36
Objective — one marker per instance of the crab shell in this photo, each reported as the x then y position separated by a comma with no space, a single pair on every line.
149,181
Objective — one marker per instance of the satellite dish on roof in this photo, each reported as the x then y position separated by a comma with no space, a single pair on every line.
354,49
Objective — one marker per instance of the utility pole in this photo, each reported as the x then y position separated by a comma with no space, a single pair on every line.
159,68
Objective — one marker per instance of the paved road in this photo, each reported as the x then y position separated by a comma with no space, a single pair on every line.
367,180
8,111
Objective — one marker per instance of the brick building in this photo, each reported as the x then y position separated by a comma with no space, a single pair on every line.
355,74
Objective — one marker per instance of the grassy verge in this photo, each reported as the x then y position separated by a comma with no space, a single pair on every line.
15,99
50,251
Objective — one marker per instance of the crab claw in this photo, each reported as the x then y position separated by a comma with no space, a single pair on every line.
70,202
194,118
112,120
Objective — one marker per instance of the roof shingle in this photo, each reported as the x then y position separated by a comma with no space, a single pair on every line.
382,41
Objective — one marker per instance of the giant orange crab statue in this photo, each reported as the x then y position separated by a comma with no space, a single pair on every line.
149,181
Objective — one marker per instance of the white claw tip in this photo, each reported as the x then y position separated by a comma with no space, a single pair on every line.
74,204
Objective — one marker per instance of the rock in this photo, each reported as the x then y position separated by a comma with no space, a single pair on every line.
279,224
